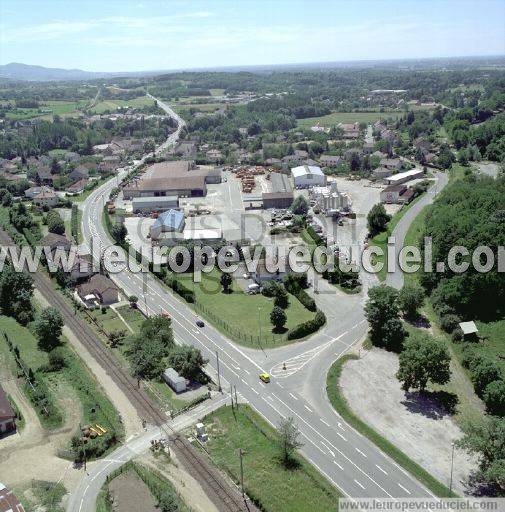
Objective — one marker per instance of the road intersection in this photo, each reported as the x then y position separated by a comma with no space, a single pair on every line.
347,459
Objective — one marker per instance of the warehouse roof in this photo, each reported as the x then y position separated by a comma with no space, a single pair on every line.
306,170
402,175
155,199
172,219
188,182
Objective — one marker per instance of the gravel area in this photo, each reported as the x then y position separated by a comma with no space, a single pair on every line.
419,427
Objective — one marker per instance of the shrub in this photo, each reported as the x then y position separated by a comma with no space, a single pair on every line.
306,328
494,397
449,322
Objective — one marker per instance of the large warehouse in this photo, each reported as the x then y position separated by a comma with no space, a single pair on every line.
306,176
173,178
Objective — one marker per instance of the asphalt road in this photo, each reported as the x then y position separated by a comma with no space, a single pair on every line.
347,459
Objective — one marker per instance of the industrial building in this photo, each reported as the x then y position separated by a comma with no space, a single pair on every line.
281,193
306,176
329,199
168,222
173,178
154,204
402,177
397,194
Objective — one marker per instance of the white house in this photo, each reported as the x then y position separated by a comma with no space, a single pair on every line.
306,176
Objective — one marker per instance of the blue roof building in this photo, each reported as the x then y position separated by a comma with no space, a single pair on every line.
169,221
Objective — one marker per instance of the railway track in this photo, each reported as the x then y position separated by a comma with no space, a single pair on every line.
226,497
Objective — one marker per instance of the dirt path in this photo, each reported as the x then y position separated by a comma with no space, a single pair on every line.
417,425
189,489
129,416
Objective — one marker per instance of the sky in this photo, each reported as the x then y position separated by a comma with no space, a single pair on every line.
140,35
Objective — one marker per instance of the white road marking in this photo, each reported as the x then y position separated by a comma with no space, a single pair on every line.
293,396
359,451
325,422
361,485
406,490
308,408
380,469
337,464
340,435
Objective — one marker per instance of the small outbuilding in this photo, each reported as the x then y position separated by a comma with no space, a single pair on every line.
469,329
174,380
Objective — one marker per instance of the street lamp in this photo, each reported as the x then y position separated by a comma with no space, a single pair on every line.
259,323
453,444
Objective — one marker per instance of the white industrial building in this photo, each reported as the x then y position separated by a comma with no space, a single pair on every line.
306,176
154,204
174,380
329,199
402,177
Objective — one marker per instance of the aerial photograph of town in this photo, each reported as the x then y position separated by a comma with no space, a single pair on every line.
252,255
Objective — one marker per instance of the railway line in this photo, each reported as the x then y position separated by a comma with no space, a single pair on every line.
226,497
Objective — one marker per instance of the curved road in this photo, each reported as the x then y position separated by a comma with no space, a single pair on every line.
347,459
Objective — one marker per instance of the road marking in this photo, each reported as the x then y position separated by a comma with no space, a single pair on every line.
307,407
325,422
359,451
340,435
337,464
328,448
361,485
406,490
252,389
293,396
380,469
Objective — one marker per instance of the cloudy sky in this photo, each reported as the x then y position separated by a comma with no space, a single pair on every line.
124,35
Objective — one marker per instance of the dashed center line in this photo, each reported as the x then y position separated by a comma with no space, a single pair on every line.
359,451
406,490
293,396
325,422
308,408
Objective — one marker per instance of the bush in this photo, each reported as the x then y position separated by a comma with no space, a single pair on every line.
494,397
449,322
294,286
309,327
180,289
484,373
270,288
457,334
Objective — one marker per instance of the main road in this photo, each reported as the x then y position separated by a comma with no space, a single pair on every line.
346,458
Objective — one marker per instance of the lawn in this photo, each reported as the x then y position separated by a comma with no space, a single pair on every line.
112,105
412,238
340,404
239,315
48,109
266,480
346,117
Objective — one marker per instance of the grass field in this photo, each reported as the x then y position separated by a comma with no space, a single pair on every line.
245,315
346,117
340,404
48,109
266,480
112,105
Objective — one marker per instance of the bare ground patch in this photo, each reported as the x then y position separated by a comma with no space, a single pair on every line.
417,425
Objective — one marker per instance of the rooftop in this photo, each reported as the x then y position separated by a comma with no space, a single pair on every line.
173,219
305,170
403,175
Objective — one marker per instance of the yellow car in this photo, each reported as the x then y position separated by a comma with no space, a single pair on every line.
265,377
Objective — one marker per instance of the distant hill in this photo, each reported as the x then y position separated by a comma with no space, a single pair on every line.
17,71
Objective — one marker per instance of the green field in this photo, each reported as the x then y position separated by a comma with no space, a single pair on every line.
244,315
347,117
266,480
48,109
112,105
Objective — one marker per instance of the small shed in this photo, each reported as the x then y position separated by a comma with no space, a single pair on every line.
174,380
469,329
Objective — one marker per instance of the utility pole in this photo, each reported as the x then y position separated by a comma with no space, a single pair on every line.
259,323
240,454
218,372
231,394
236,401
452,465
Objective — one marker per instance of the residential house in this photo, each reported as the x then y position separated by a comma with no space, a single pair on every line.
32,192
381,173
368,148
78,174
351,130
99,289
330,160
43,176
395,164
47,198
396,194
214,155
77,187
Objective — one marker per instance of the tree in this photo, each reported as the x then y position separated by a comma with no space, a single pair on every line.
410,299
187,361
133,299
484,373
381,310
281,298
119,233
168,502
300,206
57,359
48,329
55,223
16,290
149,146
116,337
278,318
226,281
377,219
487,440
288,439
494,397
423,359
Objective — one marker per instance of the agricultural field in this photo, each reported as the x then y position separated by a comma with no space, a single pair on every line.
347,117
48,109
112,105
